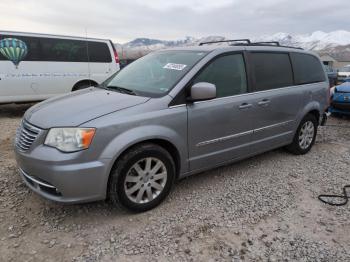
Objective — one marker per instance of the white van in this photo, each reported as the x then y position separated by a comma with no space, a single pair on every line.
344,73
35,67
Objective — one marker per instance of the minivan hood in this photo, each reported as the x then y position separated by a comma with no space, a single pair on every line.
79,107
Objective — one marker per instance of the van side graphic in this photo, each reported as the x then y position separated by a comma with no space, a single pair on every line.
14,50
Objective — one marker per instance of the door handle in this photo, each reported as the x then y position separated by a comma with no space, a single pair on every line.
245,105
264,102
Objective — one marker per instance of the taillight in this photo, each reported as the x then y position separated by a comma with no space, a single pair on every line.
116,57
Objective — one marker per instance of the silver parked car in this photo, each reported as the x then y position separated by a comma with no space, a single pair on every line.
168,115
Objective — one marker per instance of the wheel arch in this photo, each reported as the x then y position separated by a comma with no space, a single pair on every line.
164,143
165,137
316,113
84,81
313,108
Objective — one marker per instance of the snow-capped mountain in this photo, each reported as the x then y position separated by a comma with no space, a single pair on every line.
156,43
148,43
318,41
141,46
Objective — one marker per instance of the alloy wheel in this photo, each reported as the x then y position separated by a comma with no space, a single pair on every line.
145,180
306,134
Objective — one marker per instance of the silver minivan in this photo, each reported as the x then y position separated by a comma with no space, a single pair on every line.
168,115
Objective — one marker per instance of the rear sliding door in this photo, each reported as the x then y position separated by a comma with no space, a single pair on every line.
276,101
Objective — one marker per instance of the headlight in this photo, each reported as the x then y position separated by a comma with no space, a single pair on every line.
70,139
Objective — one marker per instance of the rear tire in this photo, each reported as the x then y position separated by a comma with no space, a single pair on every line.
142,178
305,136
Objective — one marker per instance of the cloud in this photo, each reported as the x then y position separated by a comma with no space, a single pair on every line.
125,20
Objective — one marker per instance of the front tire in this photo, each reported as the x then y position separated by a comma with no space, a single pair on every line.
142,178
305,136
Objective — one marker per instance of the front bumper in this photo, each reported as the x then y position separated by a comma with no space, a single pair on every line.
341,105
64,178
338,111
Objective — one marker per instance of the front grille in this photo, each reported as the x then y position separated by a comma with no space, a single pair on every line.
26,135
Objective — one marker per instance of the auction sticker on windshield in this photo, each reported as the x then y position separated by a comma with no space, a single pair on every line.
173,66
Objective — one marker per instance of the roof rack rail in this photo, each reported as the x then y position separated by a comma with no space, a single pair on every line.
267,43
286,46
273,43
228,41
247,42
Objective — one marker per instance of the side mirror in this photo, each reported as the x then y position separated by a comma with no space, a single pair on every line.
202,91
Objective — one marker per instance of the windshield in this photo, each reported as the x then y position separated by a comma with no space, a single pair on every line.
155,74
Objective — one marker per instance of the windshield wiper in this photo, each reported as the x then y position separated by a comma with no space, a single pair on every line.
122,90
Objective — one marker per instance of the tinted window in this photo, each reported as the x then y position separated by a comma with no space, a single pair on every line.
99,52
227,73
74,51
307,68
272,70
62,50
33,47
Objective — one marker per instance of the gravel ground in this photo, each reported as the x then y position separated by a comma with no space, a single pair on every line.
261,209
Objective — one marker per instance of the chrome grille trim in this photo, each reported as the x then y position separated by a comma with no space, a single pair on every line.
26,135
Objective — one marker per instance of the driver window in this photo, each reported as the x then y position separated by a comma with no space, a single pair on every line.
227,73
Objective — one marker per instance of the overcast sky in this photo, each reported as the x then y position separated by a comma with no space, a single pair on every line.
123,21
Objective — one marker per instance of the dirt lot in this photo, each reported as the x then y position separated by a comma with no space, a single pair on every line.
262,209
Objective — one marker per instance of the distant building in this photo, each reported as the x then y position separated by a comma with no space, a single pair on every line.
335,61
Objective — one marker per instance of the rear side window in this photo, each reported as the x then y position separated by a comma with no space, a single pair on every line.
99,52
307,68
272,70
227,73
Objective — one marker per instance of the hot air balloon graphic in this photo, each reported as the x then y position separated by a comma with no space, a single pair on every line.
13,49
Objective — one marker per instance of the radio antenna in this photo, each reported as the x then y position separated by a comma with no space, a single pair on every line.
88,56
